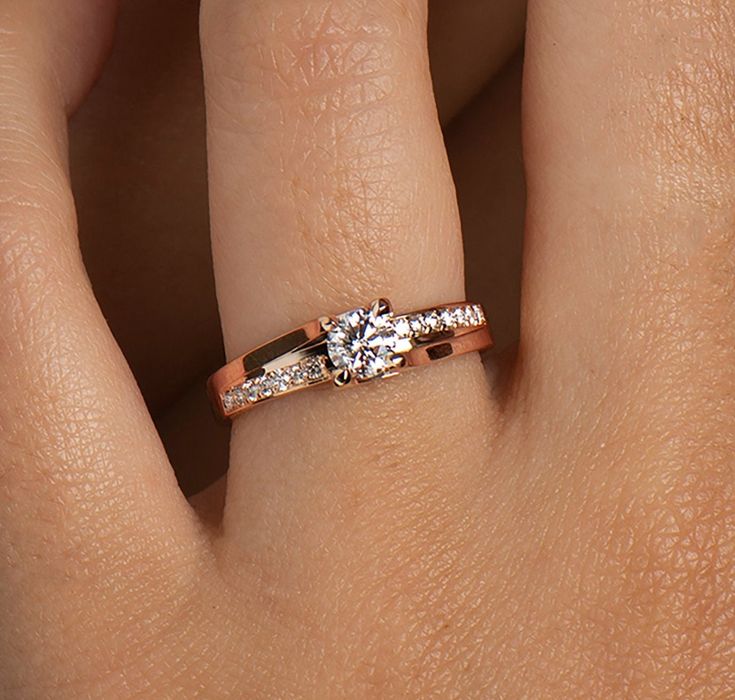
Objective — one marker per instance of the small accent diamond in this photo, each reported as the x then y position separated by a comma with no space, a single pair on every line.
280,379
459,317
403,327
433,321
266,387
446,318
297,374
313,368
477,316
252,390
417,325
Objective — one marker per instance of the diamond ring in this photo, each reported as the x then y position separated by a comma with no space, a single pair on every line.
353,347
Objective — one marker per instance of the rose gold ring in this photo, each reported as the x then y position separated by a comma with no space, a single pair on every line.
361,344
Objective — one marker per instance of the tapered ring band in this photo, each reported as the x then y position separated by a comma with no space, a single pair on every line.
350,348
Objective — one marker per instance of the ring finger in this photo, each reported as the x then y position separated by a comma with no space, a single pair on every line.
329,186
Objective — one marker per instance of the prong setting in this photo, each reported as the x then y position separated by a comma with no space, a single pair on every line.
342,378
399,361
381,306
327,323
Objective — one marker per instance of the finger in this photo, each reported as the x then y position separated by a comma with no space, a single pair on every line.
484,152
627,332
629,145
329,185
469,42
90,517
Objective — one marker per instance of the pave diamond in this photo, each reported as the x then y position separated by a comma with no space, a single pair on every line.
366,344
252,390
311,370
446,318
460,319
433,321
416,324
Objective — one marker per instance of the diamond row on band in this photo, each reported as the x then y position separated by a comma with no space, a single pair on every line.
444,319
311,370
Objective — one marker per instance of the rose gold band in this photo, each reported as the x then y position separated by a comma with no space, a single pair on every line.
361,344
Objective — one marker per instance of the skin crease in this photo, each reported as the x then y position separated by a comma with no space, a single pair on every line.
563,531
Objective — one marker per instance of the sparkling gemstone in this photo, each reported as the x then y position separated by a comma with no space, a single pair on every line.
251,390
471,314
365,343
433,321
403,327
417,325
297,374
460,319
266,386
313,369
447,320
280,380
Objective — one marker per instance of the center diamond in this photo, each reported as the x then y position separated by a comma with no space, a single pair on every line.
365,343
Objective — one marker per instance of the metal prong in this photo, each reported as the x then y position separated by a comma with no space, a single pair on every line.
399,360
327,323
380,306
342,378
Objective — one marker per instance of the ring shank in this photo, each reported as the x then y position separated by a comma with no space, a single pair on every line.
241,367
475,340
307,344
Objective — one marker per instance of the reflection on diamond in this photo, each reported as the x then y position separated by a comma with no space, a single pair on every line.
297,375
252,390
433,321
447,319
313,368
459,317
417,325
365,343
403,327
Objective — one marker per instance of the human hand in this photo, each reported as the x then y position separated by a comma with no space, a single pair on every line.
559,528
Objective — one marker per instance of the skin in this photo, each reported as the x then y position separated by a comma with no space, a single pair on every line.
555,523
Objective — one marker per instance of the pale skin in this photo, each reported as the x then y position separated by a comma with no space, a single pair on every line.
556,522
